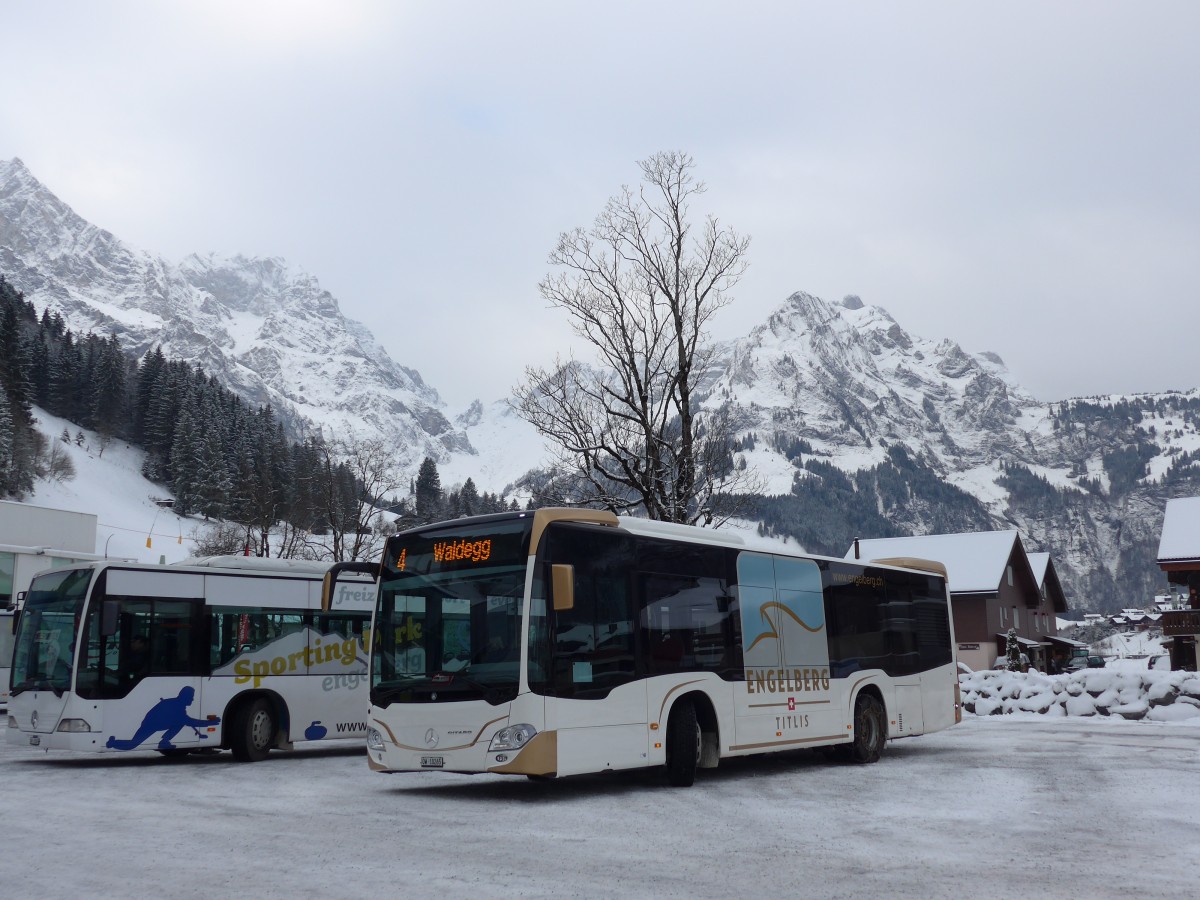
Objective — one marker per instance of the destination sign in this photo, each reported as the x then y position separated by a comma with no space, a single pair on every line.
461,551
497,543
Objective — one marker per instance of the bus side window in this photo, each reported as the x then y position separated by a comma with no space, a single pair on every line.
689,615
347,630
235,631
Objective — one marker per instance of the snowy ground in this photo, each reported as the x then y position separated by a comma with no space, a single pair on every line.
1006,806
109,485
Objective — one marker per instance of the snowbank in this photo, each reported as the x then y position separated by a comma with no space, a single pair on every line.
1157,696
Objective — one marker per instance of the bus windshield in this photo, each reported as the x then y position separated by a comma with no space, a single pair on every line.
449,613
46,633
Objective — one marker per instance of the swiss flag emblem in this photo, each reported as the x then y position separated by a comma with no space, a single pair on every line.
791,704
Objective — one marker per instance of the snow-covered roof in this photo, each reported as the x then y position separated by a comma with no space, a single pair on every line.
974,561
1023,641
1059,639
1181,530
1039,562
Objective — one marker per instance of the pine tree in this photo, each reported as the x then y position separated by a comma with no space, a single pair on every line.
429,499
186,460
149,382
7,480
469,501
1012,649
107,403
38,353
214,483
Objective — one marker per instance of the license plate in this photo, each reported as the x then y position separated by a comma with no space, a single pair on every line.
35,740
432,762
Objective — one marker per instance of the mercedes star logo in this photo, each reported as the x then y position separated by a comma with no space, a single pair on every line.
431,738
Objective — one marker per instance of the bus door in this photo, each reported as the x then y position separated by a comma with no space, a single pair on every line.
786,696
145,656
598,702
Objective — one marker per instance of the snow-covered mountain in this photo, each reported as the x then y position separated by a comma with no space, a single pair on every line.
1085,479
851,381
925,435
265,329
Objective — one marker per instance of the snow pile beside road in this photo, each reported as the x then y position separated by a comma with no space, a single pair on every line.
1153,695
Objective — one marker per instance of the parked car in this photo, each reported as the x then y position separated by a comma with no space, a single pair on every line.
1077,663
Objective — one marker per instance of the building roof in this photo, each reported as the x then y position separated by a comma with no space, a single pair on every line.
1180,538
1047,580
975,561
1039,562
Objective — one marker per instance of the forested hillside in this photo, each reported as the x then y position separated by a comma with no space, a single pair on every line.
218,456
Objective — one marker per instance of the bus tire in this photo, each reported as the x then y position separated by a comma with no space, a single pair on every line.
683,744
253,731
870,730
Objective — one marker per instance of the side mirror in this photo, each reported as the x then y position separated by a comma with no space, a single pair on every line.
562,583
110,617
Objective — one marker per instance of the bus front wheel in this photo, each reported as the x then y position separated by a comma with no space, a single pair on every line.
253,731
683,744
870,730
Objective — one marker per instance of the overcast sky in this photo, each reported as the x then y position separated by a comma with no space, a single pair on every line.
1019,177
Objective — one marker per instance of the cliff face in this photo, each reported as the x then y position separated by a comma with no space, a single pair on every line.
265,329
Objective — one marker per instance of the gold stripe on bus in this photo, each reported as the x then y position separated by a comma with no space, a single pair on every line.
811,740
801,703
538,757
668,694
546,515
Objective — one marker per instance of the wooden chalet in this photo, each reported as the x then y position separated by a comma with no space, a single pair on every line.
1179,557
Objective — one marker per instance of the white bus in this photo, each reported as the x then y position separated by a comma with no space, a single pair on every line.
6,654
222,653
560,642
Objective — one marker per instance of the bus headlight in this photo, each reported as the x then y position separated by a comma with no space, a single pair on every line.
514,737
374,740
74,726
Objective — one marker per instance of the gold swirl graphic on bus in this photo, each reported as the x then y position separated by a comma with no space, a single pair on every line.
771,632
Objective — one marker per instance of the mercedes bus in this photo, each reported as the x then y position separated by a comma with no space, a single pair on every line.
225,652
564,641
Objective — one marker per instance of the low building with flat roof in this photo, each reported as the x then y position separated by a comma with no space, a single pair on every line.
36,538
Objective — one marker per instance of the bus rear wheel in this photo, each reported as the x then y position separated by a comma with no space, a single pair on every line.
252,731
683,744
870,730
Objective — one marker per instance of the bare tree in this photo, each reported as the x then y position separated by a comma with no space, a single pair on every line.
223,539
358,472
641,286
55,464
